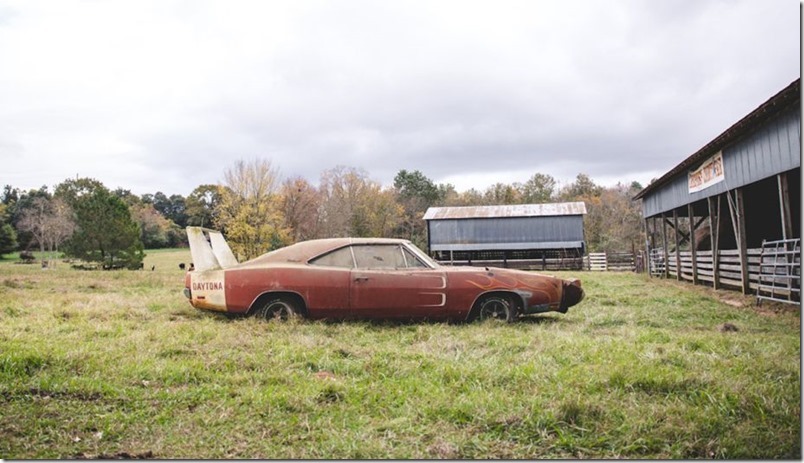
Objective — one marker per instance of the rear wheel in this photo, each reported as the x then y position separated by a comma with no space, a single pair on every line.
282,309
496,307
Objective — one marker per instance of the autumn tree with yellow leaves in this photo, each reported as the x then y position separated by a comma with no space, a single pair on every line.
249,210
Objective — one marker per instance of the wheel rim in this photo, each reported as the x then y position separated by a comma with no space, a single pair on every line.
494,309
278,310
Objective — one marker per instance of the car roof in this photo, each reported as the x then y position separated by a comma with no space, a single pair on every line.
306,250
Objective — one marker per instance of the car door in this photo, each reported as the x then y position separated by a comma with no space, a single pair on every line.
327,284
390,282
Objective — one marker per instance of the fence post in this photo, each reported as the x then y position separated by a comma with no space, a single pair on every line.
693,253
664,246
678,244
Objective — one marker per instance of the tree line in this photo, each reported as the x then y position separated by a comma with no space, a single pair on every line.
258,211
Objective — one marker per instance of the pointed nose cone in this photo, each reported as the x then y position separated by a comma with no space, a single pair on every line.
572,294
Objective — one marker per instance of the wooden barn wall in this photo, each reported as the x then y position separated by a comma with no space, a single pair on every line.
773,149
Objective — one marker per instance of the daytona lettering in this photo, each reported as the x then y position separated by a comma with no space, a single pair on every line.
208,286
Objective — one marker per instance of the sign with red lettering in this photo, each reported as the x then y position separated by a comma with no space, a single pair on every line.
708,174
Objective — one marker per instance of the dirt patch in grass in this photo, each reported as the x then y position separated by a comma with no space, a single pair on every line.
17,284
62,395
773,308
728,328
443,450
117,456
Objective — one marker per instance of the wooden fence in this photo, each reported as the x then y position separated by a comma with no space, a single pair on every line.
595,261
611,261
729,273
680,265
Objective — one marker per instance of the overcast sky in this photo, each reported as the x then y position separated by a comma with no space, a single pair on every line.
165,95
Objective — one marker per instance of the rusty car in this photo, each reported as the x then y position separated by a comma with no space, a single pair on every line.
363,278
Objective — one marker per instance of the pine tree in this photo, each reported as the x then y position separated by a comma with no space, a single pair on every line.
106,232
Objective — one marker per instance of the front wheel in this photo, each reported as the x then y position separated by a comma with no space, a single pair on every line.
281,309
501,308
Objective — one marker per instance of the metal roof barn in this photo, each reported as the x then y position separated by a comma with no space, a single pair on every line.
508,232
730,214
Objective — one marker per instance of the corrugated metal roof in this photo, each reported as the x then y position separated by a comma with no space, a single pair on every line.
791,95
512,210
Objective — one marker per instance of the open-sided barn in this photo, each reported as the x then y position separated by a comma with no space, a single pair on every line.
536,236
730,214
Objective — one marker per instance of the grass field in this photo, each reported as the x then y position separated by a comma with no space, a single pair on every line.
110,364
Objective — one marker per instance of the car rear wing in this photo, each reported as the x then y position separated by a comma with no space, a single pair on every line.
209,249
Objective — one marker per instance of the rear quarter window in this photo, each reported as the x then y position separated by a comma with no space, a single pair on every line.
341,258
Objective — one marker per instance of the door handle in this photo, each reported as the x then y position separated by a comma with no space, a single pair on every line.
361,278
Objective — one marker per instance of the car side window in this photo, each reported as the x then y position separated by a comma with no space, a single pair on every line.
379,256
339,258
411,260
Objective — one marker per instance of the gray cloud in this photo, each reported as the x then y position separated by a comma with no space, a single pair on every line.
163,96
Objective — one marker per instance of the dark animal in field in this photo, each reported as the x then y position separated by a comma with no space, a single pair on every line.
181,266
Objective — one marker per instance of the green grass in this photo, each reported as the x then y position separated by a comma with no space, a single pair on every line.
104,364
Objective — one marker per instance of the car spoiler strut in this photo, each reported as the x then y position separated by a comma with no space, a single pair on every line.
209,249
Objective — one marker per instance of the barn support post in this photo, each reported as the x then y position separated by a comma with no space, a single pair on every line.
675,235
784,206
664,244
714,238
693,254
737,210
429,242
650,243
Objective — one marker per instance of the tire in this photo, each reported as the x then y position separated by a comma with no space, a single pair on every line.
496,307
280,309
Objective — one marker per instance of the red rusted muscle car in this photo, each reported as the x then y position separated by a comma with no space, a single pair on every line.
343,278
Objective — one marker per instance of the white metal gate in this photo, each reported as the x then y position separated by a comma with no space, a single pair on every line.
780,271
656,261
